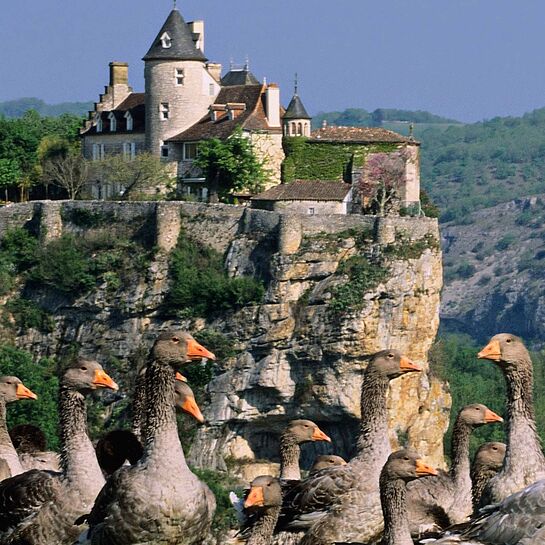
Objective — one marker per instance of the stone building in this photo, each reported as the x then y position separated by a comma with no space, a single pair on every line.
185,101
310,197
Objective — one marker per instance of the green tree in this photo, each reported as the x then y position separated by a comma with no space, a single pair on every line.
230,165
144,175
10,173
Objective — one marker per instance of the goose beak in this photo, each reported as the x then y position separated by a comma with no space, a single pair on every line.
24,393
424,469
180,377
492,351
406,365
190,406
491,416
319,435
196,351
103,380
255,497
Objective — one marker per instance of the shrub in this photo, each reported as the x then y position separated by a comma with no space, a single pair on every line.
465,270
20,248
505,241
27,314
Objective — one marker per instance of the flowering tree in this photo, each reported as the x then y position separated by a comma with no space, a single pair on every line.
383,177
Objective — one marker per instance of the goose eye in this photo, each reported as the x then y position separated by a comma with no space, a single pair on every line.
9,383
83,368
390,356
406,458
175,340
508,340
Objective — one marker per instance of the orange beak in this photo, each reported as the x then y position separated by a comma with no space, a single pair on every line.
319,435
196,351
424,469
190,406
407,365
492,351
180,377
255,497
103,380
24,393
490,416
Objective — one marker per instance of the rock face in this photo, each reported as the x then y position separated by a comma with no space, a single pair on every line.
339,288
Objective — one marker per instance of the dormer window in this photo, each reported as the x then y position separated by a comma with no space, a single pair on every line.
166,40
129,121
99,123
113,122
180,76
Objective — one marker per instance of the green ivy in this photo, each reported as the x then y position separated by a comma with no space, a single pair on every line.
27,314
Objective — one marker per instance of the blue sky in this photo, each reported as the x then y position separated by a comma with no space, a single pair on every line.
466,59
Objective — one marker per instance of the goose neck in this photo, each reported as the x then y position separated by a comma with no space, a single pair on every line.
139,406
460,467
289,458
7,450
394,509
264,527
78,458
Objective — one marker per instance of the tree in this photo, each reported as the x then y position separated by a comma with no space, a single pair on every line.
230,165
71,173
10,172
384,175
144,175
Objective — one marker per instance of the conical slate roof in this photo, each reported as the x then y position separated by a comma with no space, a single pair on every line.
182,46
296,110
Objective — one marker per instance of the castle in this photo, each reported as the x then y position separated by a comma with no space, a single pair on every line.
186,101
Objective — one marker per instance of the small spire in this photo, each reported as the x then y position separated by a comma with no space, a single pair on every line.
411,130
247,65
231,63
296,85
174,6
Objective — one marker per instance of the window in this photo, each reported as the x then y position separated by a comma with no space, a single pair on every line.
113,122
190,151
165,110
99,123
166,40
300,129
130,123
164,150
311,211
98,152
293,129
211,89
180,76
129,150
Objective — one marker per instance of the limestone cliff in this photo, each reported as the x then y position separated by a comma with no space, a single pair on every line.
339,288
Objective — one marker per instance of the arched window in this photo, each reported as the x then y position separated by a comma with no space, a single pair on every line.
113,122
300,129
294,129
130,124
98,120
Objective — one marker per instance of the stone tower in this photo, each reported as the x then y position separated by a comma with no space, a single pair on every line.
179,86
296,121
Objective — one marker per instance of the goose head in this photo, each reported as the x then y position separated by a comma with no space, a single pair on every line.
406,465
179,347
327,460
392,364
12,389
184,400
303,431
87,375
490,455
265,491
506,350
476,415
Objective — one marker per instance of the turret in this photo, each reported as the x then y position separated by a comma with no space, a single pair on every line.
296,121
179,88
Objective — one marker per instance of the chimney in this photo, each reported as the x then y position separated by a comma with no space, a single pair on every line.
234,109
197,29
118,89
272,104
214,69
119,73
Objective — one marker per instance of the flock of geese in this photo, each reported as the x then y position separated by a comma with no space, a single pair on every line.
135,487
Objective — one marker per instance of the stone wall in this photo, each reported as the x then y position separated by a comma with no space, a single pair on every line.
268,147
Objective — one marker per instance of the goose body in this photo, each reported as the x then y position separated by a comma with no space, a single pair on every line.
486,464
158,500
343,503
325,461
524,461
39,507
30,443
445,499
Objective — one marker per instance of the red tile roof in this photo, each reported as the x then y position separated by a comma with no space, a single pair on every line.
362,135
306,190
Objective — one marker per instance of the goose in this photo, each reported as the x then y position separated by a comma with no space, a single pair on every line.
333,503
39,507
487,462
402,467
158,500
524,461
119,446
441,501
265,500
326,460
11,389
30,443
296,433
190,350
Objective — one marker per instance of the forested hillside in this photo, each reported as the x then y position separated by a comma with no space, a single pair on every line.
18,107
